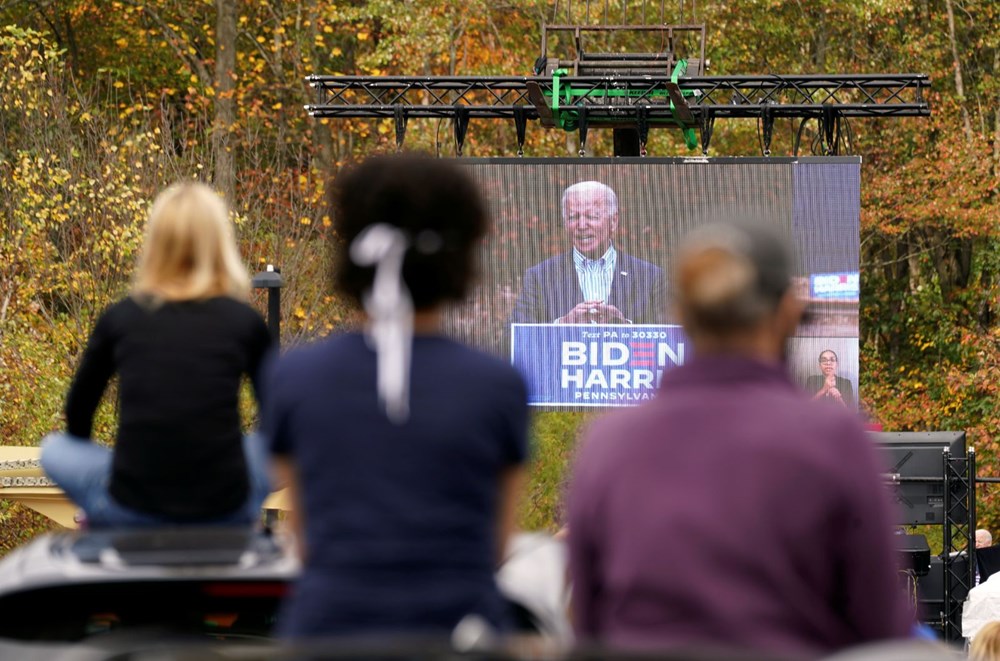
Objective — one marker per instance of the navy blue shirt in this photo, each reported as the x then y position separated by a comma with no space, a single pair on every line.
400,520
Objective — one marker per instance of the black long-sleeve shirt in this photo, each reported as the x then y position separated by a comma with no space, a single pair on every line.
178,452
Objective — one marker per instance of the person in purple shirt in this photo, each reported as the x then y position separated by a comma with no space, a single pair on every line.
731,511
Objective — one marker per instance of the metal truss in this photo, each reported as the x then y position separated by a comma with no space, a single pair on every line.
959,536
958,553
639,102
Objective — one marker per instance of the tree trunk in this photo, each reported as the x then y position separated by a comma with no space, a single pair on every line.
985,310
996,118
959,84
225,83
898,256
820,41
74,50
953,263
323,132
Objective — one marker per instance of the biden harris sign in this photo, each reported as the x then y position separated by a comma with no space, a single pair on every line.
592,364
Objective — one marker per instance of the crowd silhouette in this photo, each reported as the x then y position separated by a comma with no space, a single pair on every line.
730,513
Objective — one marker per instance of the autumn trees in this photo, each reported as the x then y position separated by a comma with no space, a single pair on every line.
105,102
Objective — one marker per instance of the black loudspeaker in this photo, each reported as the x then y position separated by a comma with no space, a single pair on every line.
914,466
914,554
930,590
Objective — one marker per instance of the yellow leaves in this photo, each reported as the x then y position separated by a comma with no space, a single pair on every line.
121,42
95,186
362,36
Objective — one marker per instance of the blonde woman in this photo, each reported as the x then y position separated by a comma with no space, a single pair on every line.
986,645
180,344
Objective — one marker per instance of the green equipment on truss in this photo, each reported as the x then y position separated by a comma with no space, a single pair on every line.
565,100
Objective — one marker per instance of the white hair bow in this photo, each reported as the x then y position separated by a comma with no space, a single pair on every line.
390,309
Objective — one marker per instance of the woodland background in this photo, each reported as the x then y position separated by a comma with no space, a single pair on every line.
105,102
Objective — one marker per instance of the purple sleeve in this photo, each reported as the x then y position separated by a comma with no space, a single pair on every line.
583,539
875,606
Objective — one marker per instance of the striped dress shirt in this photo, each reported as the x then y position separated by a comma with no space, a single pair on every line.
595,275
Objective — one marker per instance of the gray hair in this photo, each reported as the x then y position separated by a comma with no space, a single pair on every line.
731,275
610,198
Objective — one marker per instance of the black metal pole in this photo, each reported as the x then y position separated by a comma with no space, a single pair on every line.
947,545
971,467
271,281
274,312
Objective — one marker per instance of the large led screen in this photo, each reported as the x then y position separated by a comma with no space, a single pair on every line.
574,277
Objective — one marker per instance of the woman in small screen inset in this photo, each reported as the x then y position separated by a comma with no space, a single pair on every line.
829,386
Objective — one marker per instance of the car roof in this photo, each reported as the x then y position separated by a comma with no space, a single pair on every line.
147,554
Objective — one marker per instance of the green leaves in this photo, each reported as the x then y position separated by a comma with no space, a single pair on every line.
103,103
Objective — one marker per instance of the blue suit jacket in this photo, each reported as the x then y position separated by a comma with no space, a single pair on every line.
551,289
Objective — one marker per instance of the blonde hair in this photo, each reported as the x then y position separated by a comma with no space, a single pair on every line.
986,645
189,251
